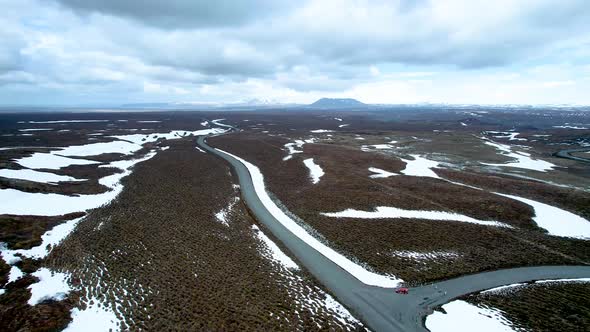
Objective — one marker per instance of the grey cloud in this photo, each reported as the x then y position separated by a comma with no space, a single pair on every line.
180,14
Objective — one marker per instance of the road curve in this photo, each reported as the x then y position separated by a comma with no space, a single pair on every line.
381,309
567,154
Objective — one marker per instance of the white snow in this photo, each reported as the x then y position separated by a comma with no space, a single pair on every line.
556,221
148,121
15,273
95,318
51,161
420,167
199,149
291,148
338,119
51,285
25,203
175,134
36,129
463,316
424,256
502,288
379,173
377,147
275,252
204,123
48,240
356,270
223,214
523,159
36,176
570,127
218,122
343,125
463,124
388,212
562,280
319,131
315,171
70,121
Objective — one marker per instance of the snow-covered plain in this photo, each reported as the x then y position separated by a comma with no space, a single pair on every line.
315,171
463,316
36,176
363,275
556,221
523,159
387,212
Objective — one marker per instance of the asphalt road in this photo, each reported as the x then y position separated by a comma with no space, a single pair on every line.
381,309
567,154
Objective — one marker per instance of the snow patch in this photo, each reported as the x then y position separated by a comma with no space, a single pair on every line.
523,159
379,173
387,212
95,318
319,131
315,171
51,285
36,176
420,167
463,316
556,221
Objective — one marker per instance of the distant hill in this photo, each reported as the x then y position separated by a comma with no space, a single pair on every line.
337,103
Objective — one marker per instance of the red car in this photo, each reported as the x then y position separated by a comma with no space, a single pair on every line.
402,290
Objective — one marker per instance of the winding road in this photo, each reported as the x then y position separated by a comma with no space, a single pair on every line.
381,309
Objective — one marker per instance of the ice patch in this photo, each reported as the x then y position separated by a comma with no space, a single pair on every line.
463,316
275,252
51,285
356,270
315,171
387,212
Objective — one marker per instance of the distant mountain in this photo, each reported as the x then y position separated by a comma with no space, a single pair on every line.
337,103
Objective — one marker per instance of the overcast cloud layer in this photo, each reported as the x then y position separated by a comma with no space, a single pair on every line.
469,51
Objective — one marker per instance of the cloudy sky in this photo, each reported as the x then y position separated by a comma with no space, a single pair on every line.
85,52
